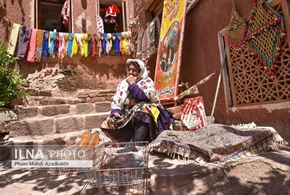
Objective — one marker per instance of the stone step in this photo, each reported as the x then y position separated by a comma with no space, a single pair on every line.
60,139
44,100
56,124
36,92
95,95
46,97
70,138
24,112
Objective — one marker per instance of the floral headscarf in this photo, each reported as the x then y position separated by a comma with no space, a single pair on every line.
120,99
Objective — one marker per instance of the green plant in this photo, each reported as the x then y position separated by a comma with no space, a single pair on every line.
10,79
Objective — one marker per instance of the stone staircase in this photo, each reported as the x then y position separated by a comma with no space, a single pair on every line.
56,122
64,118
46,118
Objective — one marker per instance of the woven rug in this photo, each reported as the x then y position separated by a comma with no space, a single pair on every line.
217,143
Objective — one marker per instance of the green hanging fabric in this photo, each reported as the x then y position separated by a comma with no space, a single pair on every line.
264,33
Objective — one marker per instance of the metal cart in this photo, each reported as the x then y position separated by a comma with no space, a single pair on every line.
125,176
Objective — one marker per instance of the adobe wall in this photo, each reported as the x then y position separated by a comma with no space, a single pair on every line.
201,57
108,69
18,11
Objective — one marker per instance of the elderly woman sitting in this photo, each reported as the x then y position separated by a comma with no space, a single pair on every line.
136,112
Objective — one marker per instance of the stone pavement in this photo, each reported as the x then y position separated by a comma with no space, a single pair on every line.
267,173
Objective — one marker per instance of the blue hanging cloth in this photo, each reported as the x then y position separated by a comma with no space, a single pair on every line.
44,52
70,44
52,44
104,44
117,44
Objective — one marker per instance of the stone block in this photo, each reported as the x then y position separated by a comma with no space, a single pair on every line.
103,106
45,93
2,128
83,95
85,108
94,121
54,110
82,99
27,112
56,141
98,99
7,115
32,92
106,91
5,152
109,98
94,94
31,127
69,124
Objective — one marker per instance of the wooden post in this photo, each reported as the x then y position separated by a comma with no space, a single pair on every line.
123,16
128,14
226,77
36,14
286,12
71,24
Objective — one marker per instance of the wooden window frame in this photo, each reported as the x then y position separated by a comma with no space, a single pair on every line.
36,16
124,9
231,105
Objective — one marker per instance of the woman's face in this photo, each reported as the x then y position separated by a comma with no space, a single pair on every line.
133,70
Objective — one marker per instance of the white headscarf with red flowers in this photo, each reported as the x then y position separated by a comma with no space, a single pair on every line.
143,81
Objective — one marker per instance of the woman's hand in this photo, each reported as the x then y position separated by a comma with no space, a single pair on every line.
131,79
117,115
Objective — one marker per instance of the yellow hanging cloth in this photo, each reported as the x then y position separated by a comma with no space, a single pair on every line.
75,47
125,43
13,38
85,45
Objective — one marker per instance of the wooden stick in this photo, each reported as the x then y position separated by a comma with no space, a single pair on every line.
193,89
191,5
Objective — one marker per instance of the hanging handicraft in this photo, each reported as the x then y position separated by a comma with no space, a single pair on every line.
265,31
237,30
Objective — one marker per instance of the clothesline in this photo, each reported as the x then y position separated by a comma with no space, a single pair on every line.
36,45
